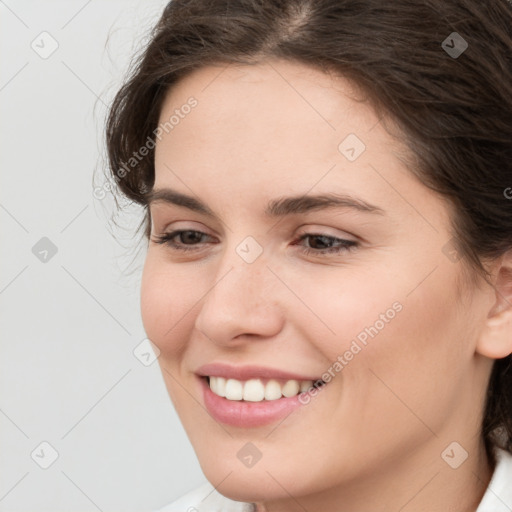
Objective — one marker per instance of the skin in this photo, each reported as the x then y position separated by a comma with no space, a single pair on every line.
372,439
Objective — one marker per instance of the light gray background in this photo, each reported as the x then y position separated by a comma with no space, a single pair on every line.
70,324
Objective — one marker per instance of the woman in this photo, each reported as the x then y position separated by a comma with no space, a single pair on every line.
328,278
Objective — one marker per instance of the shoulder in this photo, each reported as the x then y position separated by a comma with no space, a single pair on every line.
206,499
498,496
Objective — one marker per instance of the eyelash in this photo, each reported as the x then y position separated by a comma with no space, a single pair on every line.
345,245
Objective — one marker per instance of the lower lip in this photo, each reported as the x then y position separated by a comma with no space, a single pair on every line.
247,414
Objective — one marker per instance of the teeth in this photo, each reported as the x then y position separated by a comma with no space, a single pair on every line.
254,390
221,386
218,385
273,390
305,385
234,389
291,388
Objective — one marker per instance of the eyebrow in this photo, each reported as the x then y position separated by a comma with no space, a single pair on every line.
276,208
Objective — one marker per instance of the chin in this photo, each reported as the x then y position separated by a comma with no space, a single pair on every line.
257,483
249,489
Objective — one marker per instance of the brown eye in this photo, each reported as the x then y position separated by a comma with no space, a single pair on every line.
327,244
188,239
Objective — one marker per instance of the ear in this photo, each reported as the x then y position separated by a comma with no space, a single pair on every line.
495,339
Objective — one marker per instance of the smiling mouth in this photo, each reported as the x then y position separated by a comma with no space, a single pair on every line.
259,390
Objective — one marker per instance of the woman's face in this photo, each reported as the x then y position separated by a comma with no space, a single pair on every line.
380,313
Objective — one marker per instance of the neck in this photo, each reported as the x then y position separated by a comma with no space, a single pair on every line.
422,482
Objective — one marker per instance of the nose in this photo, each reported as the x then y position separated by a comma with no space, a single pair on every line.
244,299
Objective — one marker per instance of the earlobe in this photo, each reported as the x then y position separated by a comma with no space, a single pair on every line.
496,337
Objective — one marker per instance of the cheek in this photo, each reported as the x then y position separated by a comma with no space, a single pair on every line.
347,308
409,335
419,358
166,301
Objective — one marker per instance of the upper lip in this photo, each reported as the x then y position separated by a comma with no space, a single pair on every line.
248,372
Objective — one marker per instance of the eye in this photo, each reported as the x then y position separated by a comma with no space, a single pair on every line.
322,244
340,245
188,242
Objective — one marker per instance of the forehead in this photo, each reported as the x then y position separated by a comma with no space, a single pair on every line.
274,94
277,113
279,127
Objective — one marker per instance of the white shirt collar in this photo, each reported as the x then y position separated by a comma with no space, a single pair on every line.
498,495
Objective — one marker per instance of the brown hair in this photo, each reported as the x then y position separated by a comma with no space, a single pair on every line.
450,95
